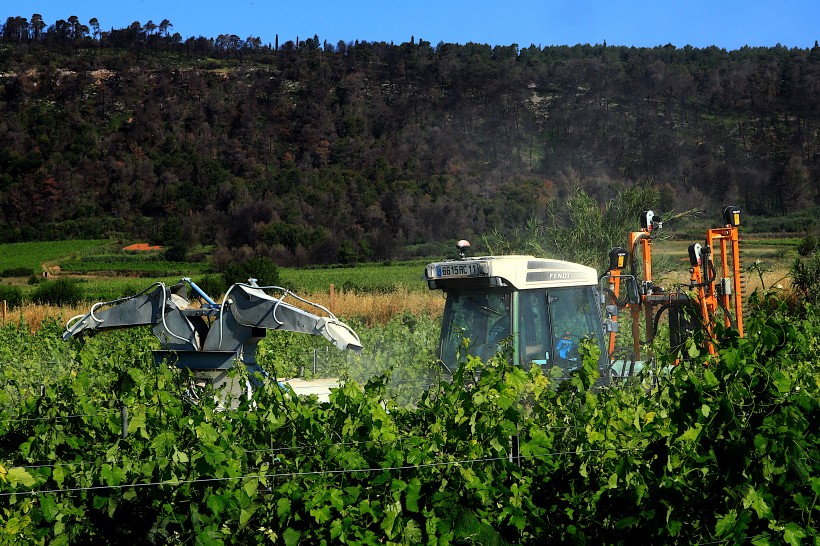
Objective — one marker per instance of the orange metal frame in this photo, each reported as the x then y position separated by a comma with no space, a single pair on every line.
709,297
635,237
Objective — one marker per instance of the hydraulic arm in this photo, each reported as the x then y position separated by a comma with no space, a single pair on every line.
214,335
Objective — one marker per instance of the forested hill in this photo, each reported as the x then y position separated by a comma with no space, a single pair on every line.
314,152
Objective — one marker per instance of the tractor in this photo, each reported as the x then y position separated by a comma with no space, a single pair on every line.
538,310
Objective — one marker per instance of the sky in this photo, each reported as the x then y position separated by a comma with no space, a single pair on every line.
728,24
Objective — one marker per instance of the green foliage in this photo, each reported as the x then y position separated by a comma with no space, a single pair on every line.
401,352
12,295
807,245
805,274
131,264
59,292
580,229
17,272
758,268
720,448
292,236
213,285
109,288
35,279
176,252
363,278
343,175
792,221
92,257
347,253
258,267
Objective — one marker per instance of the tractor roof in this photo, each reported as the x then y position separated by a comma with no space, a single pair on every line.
519,272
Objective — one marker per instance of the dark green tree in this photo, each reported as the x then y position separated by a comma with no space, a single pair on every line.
258,267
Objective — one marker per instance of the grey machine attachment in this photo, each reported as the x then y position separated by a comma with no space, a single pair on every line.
211,338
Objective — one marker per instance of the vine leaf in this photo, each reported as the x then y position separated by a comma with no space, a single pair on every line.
17,475
413,494
793,534
755,500
291,537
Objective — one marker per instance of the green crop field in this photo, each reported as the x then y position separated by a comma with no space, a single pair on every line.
141,268
374,278
110,288
361,278
104,273
33,255
99,444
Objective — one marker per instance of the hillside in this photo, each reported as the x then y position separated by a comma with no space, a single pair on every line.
311,152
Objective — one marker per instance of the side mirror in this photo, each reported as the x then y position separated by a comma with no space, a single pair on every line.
633,293
629,290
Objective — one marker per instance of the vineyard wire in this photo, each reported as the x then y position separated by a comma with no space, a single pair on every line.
104,411
58,417
744,539
310,473
300,447
247,451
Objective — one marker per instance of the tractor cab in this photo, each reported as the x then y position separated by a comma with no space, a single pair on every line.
538,310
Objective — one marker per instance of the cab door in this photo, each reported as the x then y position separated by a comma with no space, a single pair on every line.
552,323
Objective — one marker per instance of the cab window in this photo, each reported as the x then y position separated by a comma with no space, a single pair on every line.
482,320
552,323
533,320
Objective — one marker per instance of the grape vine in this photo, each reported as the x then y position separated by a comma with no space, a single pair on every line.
99,445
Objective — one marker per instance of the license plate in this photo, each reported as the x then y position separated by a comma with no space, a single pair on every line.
458,270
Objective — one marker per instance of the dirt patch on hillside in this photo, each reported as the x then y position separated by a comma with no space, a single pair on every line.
141,247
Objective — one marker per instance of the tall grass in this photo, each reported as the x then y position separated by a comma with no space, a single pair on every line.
32,315
379,308
369,308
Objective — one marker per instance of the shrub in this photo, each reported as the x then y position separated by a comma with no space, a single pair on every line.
176,253
17,272
806,278
347,254
807,246
12,295
35,279
213,285
260,268
59,292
